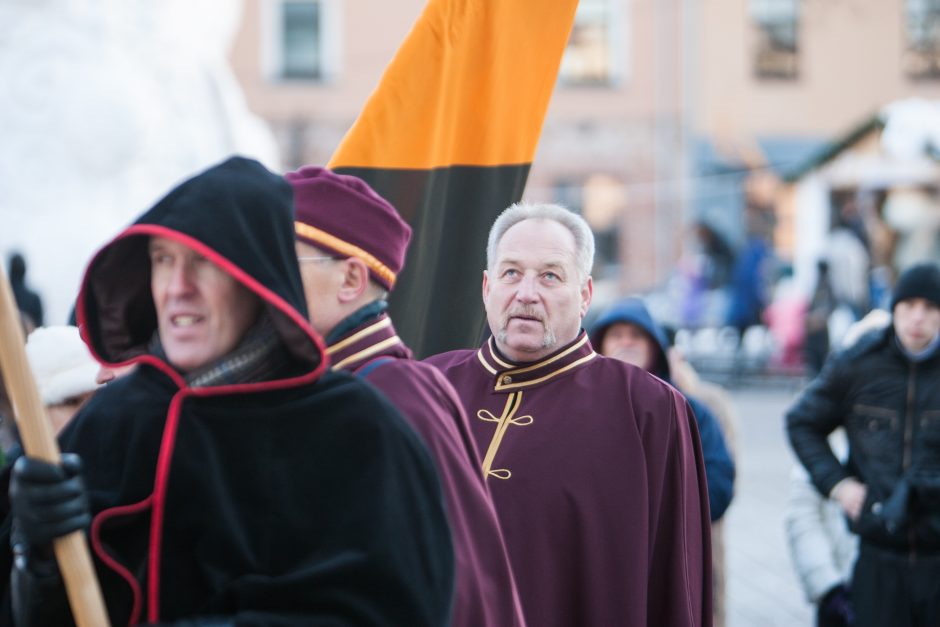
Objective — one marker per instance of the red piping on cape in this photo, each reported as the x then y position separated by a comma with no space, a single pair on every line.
99,520
168,442
159,502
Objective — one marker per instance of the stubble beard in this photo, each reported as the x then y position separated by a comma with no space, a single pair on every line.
548,336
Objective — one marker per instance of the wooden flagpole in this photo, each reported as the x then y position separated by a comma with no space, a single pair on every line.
38,440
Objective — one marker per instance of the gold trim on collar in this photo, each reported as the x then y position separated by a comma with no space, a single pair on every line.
483,361
355,337
512,386
493,354
504,379
346,248
367,352
540,364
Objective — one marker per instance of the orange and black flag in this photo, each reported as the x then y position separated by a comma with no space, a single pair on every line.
448,138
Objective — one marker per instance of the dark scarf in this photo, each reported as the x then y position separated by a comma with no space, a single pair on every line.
258,357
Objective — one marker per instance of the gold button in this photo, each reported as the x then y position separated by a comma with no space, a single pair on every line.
507,380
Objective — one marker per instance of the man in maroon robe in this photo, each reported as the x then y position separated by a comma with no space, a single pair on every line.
594,465
351,246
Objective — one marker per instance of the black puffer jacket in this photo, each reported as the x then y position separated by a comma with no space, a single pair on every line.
890,407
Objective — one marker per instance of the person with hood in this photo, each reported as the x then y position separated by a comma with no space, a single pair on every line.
230,479
628,332
594,465
883,390
28,301
351,245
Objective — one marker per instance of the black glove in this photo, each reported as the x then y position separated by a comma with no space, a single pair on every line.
47,500
836,609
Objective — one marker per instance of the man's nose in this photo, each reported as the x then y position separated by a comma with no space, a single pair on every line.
919,312
527,290
624,342
181,279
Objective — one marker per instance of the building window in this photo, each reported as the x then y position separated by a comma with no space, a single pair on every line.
301,40
589,58
300,23
922,27
776,50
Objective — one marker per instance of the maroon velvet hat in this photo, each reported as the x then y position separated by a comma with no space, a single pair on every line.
342,215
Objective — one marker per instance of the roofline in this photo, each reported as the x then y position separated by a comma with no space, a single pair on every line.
832,150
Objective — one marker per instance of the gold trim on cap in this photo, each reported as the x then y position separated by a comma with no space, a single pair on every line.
344,247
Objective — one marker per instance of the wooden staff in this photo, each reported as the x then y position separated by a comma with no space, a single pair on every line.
38,440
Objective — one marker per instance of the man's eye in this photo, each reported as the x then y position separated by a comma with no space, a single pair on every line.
551,276
510,273
159,259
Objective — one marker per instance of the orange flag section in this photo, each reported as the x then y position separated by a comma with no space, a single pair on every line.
469,86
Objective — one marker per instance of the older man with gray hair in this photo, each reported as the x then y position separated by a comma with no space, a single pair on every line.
594,465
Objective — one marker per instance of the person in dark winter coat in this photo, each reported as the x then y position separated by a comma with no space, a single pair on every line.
883,390
351,246
628,332
593,464
27,301
229,479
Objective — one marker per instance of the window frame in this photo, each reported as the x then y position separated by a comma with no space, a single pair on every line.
765,51
618,56
272,49
921,50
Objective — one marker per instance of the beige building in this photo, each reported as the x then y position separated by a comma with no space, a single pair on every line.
661,107
810,68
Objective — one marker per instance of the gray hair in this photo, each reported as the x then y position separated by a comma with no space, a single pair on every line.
576,225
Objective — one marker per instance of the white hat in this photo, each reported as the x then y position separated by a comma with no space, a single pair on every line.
61,363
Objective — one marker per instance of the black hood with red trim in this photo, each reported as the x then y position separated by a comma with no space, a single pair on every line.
240,216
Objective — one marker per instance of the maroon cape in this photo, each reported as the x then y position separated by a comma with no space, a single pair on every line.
485,594
596,471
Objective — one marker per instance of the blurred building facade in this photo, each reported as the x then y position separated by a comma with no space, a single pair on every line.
787,85
666,113
614,141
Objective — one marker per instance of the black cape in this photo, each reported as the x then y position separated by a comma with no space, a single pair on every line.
302,500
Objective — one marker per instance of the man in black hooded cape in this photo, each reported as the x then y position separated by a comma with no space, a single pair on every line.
250,488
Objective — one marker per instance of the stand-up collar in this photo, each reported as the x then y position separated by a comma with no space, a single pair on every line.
375,338
511,375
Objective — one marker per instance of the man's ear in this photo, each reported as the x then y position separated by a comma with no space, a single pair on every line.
587,292
355,280
486,285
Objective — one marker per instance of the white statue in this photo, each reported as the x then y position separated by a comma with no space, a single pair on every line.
105,105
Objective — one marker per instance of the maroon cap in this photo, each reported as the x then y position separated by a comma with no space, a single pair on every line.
342,215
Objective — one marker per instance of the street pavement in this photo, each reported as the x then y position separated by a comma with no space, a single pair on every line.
762,589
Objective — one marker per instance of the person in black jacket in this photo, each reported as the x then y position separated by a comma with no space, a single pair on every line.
884,390
230,479
27,301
